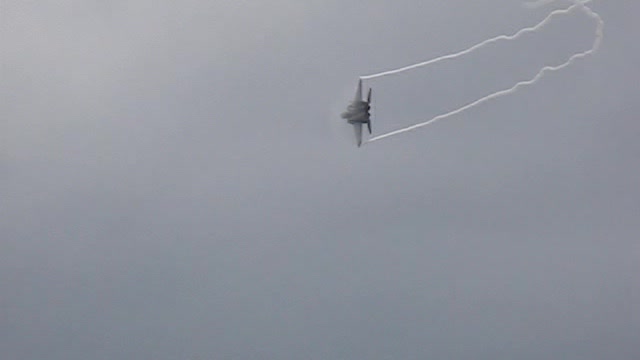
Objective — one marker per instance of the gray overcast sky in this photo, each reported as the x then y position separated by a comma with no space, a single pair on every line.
175,183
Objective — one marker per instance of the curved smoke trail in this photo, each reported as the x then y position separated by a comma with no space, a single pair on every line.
483,43
514,88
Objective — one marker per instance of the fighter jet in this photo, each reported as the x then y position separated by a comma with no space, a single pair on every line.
358,113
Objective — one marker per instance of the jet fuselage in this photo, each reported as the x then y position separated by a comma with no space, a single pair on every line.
358,114
357,111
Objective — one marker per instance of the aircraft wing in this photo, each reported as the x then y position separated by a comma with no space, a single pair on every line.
358,91
357,128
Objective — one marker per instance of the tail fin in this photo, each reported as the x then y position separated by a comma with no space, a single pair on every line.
369,125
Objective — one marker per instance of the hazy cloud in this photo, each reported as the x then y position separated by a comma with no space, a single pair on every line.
174,185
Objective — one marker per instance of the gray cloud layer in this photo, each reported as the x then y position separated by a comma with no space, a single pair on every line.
173,186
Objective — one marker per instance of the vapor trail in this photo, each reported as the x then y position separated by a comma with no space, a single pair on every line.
514,88
479,45
539,3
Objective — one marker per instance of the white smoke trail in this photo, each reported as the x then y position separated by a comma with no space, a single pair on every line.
514,88
540,3
482,44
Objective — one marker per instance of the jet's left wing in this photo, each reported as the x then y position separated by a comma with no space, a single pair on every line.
357,128
358,96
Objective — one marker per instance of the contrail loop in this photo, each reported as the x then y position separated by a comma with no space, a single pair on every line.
538,76
477,46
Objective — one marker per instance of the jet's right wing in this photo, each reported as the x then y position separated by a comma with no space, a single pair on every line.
357,128
369,106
